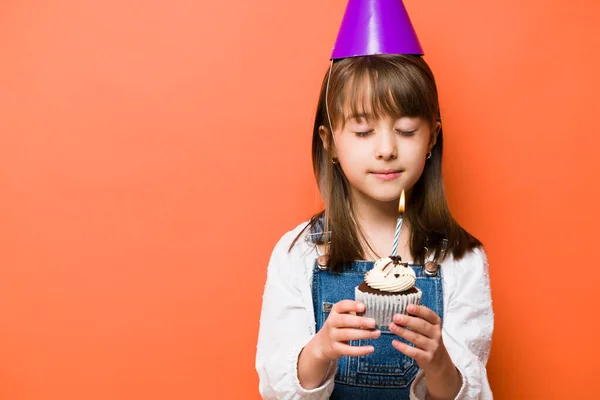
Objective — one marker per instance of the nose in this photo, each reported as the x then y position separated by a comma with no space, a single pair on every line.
387,148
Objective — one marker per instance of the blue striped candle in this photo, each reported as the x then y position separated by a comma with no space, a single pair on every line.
398,225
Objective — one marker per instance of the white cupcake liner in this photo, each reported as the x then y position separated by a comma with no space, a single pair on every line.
383,307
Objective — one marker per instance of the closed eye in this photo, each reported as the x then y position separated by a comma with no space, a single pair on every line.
363,134
406,133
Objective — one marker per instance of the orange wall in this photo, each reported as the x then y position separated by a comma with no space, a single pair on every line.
152,153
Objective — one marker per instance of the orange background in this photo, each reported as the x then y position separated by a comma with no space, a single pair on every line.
152,153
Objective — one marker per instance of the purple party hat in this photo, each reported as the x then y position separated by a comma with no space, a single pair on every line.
375,27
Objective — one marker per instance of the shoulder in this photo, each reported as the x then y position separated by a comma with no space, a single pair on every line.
294,246
293,256
296,237
468,274
475,258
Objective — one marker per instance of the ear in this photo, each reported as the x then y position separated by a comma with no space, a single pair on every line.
325,136
435,130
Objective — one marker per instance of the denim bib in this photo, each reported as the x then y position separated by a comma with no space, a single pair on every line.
386,373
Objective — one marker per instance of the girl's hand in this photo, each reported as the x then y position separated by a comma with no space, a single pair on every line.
342,325
425,333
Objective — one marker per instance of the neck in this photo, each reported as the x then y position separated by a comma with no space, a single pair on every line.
377,220
375,214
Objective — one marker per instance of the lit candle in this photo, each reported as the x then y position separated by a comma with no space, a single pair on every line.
398,225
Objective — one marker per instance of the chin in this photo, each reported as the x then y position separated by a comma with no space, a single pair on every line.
385,197
381,194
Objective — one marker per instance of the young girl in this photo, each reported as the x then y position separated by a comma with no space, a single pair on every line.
377,131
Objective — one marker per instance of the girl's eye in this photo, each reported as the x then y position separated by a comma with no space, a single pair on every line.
406,133
363,134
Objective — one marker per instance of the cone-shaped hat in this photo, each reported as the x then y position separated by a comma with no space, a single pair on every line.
376,27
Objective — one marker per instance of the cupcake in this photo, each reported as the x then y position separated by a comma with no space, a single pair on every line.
387,289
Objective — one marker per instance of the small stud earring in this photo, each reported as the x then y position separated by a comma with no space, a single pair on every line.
429,155
334,160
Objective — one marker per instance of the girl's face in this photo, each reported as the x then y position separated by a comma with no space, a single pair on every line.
380,157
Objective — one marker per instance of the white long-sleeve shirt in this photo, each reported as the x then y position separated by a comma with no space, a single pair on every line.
287,323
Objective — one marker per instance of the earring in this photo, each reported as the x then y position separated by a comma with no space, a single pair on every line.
334,160
429,155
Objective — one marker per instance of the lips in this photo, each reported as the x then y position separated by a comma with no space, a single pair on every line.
386,171
387,174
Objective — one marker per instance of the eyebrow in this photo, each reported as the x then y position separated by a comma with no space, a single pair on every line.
358,117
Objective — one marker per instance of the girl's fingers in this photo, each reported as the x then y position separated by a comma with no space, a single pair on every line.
424,313
415,338
343,335
417,324
344,349
420,356
352,321
346,306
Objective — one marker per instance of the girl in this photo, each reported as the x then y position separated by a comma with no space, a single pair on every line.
377,131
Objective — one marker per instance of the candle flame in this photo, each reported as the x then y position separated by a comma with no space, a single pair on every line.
401,205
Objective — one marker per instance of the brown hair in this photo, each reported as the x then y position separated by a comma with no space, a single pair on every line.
398,85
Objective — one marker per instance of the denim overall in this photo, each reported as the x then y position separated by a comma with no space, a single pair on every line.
386,373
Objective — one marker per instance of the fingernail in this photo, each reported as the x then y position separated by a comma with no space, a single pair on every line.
371,322
361,307
411,308
398,318
371,349
376,333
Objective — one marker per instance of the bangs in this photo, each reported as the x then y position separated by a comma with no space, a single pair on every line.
380,87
